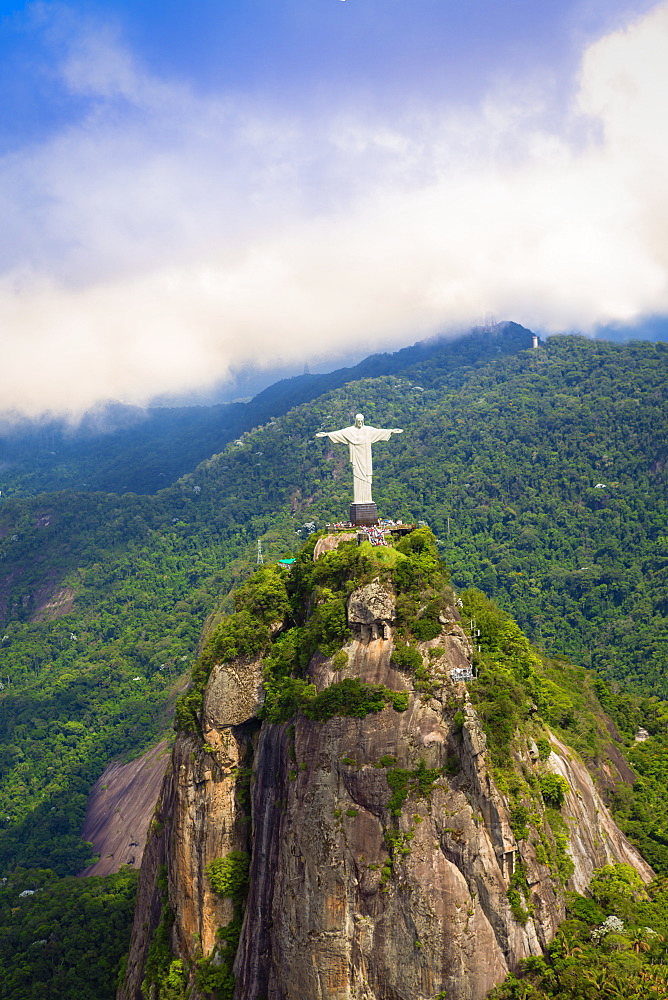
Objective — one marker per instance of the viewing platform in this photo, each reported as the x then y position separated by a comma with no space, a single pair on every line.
384,525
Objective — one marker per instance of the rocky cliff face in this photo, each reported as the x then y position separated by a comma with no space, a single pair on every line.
119,810
382,850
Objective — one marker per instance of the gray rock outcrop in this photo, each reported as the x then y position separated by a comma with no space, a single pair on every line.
233,695
370,604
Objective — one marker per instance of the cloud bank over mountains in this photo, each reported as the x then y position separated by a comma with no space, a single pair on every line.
165,237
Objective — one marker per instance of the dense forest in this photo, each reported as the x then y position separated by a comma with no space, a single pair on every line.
60,939
542,473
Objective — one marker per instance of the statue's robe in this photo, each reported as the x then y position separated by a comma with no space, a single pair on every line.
359,440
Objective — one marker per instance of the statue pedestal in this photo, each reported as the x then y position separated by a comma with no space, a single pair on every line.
363,513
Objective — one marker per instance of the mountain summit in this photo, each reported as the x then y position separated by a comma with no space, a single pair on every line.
346,816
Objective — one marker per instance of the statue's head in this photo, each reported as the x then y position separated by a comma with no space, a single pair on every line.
359,420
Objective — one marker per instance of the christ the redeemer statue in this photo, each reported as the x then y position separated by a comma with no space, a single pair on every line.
359,437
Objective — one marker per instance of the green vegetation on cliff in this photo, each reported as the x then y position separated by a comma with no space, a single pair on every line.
307,611
613,945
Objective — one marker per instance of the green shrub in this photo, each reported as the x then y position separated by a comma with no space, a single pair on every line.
188,709
519,821
398,779
585,909
519,913
264,595
242,634
340,660
403,781
352,697
425,629
613,884
400,700
406,657
554,789
541,854
326,630
228,876
286,697
174,984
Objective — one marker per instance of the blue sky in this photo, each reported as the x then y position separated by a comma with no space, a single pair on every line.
384,53
190,189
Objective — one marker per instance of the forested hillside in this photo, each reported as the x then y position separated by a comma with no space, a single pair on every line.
543,474
61,939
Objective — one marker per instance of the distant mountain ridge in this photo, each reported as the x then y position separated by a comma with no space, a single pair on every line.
120,449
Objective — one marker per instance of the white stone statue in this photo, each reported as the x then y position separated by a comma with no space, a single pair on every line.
360,437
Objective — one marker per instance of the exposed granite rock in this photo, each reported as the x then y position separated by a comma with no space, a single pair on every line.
199,819
475,740
233,695
119,809
323,921
370,604
596,839
59,604
330,542
349,898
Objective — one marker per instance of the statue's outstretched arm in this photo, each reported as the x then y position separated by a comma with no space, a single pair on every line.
338,437
397,430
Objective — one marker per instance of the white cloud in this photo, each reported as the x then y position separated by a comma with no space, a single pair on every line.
165,238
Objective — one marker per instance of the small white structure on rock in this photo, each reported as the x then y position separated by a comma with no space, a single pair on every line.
461,674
